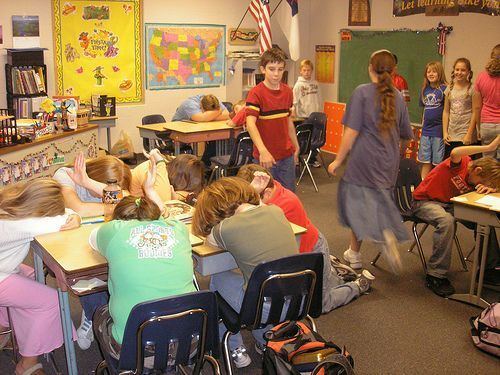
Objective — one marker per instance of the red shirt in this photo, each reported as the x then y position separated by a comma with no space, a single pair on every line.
401,84
240,118
294,212
444,182
272,109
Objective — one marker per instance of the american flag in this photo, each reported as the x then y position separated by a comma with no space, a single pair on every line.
259,9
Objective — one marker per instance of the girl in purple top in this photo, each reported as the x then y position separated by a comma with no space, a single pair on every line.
376,119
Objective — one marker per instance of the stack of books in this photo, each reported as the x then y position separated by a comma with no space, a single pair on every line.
180,211
28,80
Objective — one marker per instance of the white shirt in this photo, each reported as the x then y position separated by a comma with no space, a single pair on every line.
17,235
306,97
63,178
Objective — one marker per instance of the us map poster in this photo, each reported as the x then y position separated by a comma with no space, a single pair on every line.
98,48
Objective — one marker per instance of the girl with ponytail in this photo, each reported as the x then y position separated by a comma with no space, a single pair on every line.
28,210
376,120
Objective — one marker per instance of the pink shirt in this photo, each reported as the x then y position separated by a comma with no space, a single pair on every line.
489,88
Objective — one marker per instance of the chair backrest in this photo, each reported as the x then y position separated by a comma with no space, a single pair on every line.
304,136
153,119
228,105
171,331
288,288
408,179
318,120
241,153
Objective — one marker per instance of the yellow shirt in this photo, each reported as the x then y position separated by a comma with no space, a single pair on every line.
162,184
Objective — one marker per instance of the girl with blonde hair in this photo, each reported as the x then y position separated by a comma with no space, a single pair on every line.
376,120
28,210
225,210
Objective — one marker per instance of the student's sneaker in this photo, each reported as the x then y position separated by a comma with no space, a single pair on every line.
240,357
315,164
85,333
441,286
392,252
364,281
353,258
260,348
343,271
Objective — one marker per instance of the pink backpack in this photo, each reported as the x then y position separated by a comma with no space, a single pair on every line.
485,329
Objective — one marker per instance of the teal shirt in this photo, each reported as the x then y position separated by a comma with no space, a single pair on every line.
147,260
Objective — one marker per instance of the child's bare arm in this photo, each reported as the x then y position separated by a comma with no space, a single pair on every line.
446,119
458,152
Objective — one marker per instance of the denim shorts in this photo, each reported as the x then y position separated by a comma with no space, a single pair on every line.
431,150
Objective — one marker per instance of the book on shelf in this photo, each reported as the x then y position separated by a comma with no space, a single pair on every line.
27,80
24,107
179,210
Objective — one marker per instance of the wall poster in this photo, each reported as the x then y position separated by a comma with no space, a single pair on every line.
184,56
325,63
98,48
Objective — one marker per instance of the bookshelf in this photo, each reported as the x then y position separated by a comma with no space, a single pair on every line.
247,74
25,80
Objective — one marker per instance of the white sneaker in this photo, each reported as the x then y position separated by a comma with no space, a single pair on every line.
85,333
240,357
345,272
364,281
392,252
353,258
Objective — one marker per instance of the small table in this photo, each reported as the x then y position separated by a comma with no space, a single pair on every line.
191,132
466,208
69,255
107,123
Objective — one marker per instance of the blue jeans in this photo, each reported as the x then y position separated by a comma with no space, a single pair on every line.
229,284
91,302
284,172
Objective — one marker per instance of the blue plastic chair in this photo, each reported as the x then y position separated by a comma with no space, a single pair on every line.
170,333
291,288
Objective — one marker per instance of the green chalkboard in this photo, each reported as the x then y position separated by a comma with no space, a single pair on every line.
413,48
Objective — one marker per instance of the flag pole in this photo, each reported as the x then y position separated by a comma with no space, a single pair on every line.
275,8
233,34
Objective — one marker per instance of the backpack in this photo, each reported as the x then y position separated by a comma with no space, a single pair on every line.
293,348
485,329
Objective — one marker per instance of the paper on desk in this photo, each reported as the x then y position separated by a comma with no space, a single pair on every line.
84,285
490,200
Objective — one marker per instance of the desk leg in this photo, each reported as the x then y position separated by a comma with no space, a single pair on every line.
108,135
151,143
67,327
474,296
38,265
177,148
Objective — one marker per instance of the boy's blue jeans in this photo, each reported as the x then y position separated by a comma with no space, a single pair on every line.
284,172
91,302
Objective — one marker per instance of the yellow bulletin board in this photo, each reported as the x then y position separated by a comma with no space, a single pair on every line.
325,63
98,48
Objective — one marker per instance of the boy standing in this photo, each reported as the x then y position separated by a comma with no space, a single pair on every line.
307,98
269,123
455,176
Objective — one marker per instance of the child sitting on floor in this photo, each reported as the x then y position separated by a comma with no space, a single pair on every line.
336,291
138,242
455,176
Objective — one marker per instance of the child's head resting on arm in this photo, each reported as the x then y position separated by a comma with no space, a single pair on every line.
220,200
136,208
186,174
109,167
484,171
41,197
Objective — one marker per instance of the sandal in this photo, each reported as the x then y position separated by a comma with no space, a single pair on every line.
34,370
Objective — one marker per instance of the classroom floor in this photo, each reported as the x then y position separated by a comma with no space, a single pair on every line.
401,327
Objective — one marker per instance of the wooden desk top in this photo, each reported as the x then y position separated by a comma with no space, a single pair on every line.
187,127
47,138
98,118
470,199
72,251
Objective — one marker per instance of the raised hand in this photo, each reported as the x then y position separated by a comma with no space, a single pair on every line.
79,172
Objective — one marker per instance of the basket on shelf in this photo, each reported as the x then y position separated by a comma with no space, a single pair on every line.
82,116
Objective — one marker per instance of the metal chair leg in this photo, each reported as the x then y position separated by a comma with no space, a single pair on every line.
460,253
303,170
376,258
212,175
420,234
101,367
419,246
213,362
310,175
225,352
467,258
312,323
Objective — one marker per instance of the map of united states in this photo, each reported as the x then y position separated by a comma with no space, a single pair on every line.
185,57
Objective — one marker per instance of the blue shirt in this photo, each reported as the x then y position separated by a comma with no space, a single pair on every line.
190,107
374,157
433,101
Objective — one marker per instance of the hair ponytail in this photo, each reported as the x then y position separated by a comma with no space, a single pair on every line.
493,66
136,208
383,64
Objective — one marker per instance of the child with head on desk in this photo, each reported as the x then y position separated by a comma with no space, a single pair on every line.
178,177
202,108
455,176
341,283
82,187
225,210
269,123
138,242
238,117
28,210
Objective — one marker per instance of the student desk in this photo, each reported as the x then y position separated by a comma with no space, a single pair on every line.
486,217
191,132
69,255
